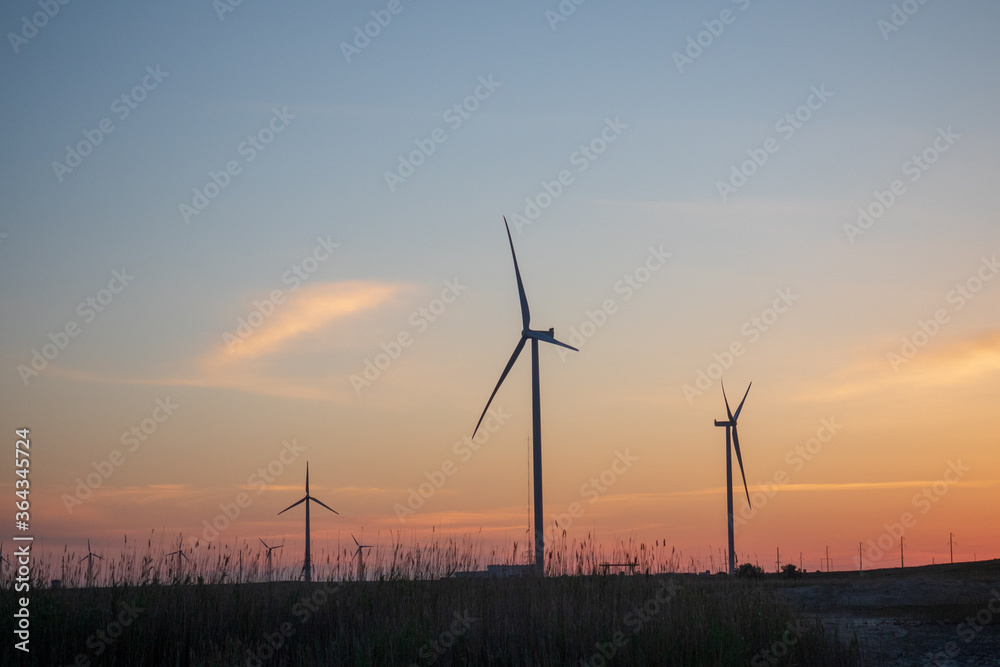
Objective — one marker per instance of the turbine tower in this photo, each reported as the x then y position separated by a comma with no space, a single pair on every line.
536,408
733,438
90,564
360,557
308,566
268,559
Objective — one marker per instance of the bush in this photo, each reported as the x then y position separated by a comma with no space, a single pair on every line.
750,571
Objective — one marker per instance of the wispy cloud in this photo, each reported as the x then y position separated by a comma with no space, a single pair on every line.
241,365
941,363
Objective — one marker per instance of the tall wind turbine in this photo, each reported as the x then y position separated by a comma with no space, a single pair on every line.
269,550
179,553
90,564
308,566
536,409
360,557
733,438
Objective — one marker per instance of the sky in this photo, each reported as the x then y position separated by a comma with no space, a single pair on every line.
238,237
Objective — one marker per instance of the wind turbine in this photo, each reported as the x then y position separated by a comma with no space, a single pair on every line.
306,499
180,554
536,407
269,550
90,564
360,557
733,438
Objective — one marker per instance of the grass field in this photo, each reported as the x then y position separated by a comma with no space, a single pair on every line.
410,610
593,620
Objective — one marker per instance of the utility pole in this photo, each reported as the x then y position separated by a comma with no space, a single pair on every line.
827,559
800,560
778,560
861,563
951,546
901,565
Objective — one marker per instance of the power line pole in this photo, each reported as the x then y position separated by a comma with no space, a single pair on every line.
778,561
800,560
861,564
901,565
827,559
951,546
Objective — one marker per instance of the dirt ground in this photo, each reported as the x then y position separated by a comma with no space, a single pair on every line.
940,615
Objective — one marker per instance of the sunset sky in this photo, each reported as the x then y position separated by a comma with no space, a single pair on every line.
235,236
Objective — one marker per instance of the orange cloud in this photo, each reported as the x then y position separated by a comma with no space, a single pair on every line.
940,363
309,309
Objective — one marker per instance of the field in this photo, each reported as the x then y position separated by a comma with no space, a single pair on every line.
221,610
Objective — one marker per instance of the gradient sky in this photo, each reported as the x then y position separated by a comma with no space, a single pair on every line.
330,126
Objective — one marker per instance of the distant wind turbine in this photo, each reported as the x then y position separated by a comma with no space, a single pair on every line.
269,550
733,438
536,408
360,557
180,554
90,564
308,565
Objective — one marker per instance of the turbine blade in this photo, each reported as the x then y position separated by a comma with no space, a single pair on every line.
97,557
324,505
513,358
549,338
728,411
293,505
737,415
264,543
525,314
85,558
739,457
355,540
185,556
307,478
